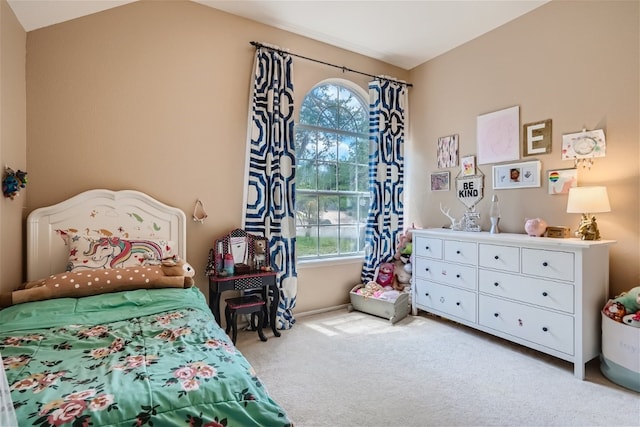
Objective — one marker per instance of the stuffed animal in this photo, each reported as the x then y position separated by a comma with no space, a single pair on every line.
404,248
627,303
371,289
614,310
171,273
630,300
385,274
402,276
260,255
632,320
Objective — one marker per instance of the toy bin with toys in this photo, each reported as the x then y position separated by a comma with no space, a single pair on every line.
620,358
388,294
393,310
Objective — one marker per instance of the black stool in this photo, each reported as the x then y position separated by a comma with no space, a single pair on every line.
248,304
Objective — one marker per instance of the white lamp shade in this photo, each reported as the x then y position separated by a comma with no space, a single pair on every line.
588,200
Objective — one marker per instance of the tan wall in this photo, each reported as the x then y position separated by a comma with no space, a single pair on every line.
154,96
573,62
13,142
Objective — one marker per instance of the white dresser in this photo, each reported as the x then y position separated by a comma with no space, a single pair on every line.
543,293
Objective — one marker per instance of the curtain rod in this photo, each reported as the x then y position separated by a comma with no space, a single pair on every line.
258,45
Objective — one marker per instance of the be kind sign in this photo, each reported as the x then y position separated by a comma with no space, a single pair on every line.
469,189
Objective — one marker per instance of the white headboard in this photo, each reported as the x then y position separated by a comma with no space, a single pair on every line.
126,213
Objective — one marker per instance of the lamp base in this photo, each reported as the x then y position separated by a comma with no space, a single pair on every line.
588,228
494,225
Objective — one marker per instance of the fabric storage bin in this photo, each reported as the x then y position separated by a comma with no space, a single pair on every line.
394,311
620,358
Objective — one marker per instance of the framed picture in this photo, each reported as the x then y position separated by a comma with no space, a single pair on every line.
468,166
448,151
517,175
560,181
536,138
440,181
585,144
498,136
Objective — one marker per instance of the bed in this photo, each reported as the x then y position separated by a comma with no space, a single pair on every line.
147,355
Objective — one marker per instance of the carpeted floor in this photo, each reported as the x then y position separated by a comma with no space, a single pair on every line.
353,369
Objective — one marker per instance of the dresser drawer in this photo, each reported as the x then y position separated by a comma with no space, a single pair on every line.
551,264
427,247
545,328
450,301
462,252
545,293
500,257
462,276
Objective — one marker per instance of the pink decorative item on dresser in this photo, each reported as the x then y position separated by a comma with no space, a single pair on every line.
535,227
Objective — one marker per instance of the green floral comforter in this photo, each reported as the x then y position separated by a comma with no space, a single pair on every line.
144,357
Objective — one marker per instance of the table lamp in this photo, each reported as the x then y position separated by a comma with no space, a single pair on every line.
588,201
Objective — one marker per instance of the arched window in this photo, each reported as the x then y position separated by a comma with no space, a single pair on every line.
332,155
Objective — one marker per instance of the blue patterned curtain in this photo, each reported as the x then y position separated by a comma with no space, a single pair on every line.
386,173
270,195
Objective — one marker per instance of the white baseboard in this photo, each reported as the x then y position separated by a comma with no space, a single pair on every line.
321,310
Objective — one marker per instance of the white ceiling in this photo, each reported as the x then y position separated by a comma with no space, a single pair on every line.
399,32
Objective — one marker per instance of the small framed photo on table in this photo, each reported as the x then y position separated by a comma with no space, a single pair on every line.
440,181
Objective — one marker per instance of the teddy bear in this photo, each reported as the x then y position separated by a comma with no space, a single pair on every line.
627,303
402,275
170,273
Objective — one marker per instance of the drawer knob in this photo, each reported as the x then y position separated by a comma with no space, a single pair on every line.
426,269
545,264
496,284
457,276
426,294
496,257
458,252
426,247
458,303
496,314
544,294
545,329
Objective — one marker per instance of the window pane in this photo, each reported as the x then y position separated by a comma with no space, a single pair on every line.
348,210
306,173
346,177
348,239
347,146
307,241
326,176
329,240
351,115
363,178
306,143
329,210
362,151
327,146
363,210
306,209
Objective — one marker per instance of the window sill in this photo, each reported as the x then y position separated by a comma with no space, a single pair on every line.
311,263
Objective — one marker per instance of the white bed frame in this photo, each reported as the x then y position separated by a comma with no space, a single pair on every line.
126,213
